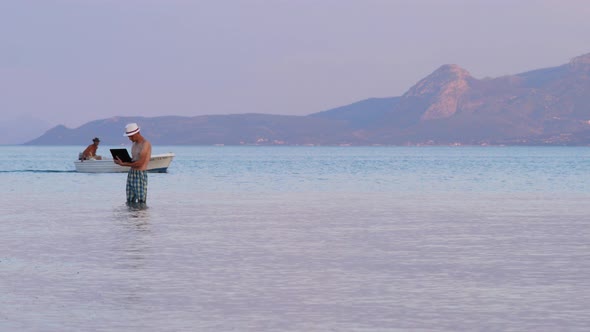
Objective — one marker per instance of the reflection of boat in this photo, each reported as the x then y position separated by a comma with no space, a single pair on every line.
158,163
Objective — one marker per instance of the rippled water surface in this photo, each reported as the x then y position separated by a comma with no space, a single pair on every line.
299,239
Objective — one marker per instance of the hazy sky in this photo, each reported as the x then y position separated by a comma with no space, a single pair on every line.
73,61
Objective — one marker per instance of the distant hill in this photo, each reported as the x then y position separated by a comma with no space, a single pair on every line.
362,113
549,106
22,128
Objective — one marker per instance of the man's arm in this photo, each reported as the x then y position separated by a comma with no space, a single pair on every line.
144,158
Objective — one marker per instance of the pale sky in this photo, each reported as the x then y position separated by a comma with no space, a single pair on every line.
73,61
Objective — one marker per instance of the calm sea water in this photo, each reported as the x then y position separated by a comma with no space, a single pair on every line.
299,239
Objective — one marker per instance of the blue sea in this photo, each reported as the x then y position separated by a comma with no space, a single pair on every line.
299,239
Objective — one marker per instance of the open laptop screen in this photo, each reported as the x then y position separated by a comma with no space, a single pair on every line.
122,154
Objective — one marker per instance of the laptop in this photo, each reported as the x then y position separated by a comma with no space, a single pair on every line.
122,154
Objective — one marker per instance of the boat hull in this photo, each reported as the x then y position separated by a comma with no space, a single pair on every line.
158,164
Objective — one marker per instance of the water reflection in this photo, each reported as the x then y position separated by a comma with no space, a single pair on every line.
132,250
134,237
136,206
136,213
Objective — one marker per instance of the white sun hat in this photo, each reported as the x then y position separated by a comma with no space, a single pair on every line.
131,129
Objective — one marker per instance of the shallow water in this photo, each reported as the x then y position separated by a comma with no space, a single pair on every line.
299,239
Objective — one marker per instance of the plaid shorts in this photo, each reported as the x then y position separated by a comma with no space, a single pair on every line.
136,189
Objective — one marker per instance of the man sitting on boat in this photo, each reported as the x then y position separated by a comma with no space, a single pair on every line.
90,152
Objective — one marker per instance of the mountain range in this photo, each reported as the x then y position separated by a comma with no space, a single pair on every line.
549,106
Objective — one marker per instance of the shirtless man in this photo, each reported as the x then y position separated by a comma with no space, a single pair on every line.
141,152
90,152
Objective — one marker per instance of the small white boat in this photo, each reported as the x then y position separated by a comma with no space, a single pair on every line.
158,164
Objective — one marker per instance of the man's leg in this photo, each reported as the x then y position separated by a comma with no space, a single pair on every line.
128,187
131,184
141,189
